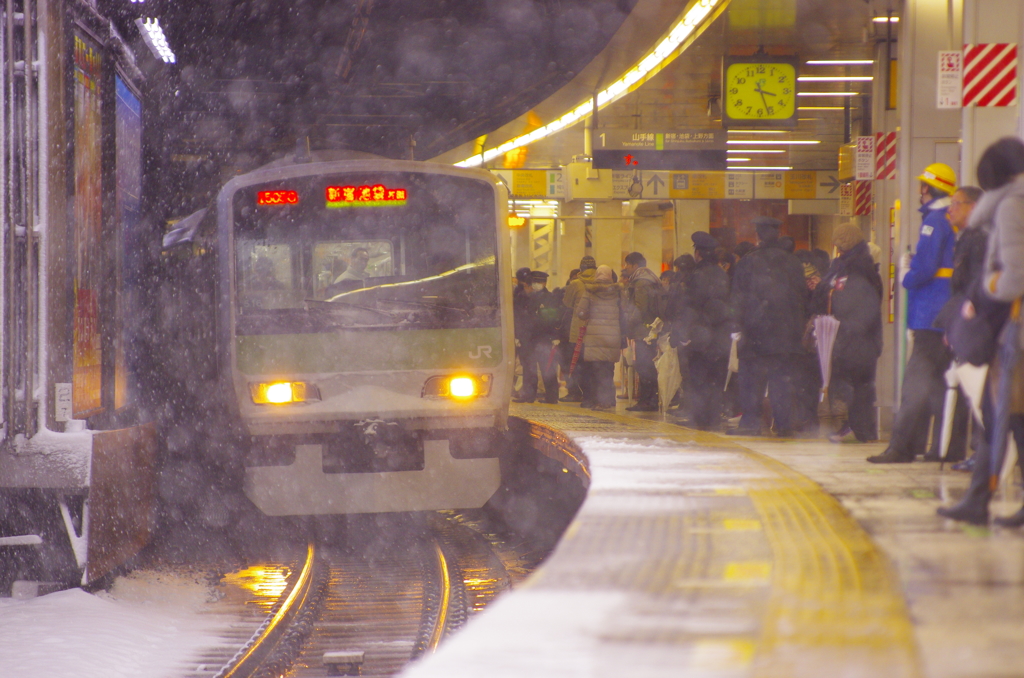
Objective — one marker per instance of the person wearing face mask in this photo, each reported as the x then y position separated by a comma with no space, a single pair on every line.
543,310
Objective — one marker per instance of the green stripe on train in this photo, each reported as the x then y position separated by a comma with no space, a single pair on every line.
369,351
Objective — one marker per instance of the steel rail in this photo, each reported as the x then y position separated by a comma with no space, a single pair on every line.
250,657
445,602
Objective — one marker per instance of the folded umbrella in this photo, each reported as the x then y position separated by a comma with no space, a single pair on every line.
826,327
948,411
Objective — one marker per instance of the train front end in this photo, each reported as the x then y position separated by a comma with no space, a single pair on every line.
367,325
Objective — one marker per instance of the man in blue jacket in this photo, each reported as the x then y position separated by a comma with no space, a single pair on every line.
926,280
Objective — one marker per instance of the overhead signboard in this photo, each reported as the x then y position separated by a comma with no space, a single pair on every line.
770,185
647,150
534,183
637,185
590,184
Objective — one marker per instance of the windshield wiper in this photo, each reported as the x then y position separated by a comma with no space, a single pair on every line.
330,304
425,304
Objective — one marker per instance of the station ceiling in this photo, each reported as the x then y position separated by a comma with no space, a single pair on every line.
687,93
252,76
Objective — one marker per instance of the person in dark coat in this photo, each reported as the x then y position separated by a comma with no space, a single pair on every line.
769,296
575,291
852,292
519,312
543,311
642,289
565,347
1000,212
704,326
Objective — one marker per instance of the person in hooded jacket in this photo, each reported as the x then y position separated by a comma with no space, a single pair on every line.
575,292
704,325
926,280
1001,212
595,300
852,292
769,296
643,289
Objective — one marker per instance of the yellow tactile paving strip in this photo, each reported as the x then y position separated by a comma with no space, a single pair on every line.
761,537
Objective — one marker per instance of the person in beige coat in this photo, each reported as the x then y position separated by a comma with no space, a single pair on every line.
595,301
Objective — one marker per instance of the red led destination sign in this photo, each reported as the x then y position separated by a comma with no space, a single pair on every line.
365,196
277,198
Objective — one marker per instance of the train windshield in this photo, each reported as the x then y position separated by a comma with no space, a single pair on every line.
365,250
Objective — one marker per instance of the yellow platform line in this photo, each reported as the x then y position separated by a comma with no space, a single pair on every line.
835,599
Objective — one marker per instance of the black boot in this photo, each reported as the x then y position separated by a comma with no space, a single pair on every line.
1016,520
890,456
973,508
969,510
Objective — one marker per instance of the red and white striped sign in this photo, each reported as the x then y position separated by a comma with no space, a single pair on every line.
861,198
885,155
990,74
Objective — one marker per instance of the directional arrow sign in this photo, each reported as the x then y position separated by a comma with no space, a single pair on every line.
657,185
831,183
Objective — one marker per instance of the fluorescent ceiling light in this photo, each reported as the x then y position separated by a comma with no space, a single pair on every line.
153,36
884,19
829,94
756,150
663,53
801,142
770,169
840,62
835,78
738,160
821,108
755,131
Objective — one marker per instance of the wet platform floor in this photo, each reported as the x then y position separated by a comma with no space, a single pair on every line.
703,555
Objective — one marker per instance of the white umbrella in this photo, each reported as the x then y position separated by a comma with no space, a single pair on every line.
669,377
826,327
948,410
734,359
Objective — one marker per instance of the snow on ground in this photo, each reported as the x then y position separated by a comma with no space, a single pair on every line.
147,625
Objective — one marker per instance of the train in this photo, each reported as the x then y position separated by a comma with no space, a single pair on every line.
344,323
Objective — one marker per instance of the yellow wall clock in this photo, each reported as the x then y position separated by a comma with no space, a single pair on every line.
759,91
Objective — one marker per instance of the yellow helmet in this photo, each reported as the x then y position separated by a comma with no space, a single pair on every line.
941,176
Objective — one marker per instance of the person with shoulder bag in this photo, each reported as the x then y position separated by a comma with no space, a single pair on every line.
1001,175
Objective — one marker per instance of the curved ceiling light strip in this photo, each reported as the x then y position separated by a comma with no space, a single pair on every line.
685,30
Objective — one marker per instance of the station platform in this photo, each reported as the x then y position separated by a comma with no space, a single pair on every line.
695,554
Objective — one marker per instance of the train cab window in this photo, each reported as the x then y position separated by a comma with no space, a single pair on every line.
425,259
266,276
346,265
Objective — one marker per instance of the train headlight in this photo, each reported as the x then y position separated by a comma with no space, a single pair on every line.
283,392
458,387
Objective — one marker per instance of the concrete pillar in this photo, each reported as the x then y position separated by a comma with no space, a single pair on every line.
606,233
886,192
521,247
990,21
570,244
645,234
691,216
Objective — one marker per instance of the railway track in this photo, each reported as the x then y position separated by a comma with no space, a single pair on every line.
374,608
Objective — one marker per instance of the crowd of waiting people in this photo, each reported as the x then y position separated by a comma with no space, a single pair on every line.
749,310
